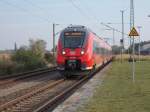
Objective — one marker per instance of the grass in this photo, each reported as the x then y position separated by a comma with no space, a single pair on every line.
125,57
119,94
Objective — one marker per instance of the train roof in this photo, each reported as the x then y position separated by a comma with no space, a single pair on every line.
76,28
85,29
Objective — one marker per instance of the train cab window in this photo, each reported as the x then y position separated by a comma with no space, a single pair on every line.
74,39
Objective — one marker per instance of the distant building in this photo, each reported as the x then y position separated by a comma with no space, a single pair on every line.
145,49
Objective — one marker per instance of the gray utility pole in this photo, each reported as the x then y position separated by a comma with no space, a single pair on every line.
122,41
15,46
131,26
139,48
122,12
54,39
113,36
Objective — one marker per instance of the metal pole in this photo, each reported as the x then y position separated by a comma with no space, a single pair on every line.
131,25
139,45
129,46
121,50
139,27
122,43
15,47
133,46
133,52
113,36
54,39
133,66
122,12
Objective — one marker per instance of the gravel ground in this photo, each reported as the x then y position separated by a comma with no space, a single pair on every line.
82,95
26,84
30,104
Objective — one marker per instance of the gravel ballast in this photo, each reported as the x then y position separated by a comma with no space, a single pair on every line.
82,95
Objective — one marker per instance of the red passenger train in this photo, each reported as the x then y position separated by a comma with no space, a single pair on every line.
79,49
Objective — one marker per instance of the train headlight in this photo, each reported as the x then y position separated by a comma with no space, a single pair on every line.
82,52
63,52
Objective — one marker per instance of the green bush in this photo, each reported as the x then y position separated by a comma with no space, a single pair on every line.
6,67
27,60
50,58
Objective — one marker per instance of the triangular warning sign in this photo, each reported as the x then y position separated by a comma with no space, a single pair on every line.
133,32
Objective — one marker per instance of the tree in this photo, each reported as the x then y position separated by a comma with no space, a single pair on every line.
38,47
31,57
116,49
54,49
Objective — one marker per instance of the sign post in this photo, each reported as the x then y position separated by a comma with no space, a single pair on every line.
133,33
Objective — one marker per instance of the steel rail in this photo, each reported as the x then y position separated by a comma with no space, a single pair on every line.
50,104
16,101
25,75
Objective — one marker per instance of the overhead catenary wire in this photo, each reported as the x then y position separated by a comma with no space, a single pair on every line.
79,9
30,13
36,6
127,35
92,16
114,29
24,10
87,8
85,15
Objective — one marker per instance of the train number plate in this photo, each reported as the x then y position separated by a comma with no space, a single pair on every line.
72,61
72,52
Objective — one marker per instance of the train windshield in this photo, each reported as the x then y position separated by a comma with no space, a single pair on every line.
74,39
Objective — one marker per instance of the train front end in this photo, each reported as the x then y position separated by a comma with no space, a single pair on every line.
73,50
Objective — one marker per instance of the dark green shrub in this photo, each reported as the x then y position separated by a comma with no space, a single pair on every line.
6,67
50,58
27,60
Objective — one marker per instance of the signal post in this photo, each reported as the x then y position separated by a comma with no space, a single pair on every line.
133,33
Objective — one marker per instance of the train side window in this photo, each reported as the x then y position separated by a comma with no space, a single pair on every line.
97,48
94,47
102,51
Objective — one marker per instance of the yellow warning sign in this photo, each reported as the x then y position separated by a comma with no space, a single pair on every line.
133,32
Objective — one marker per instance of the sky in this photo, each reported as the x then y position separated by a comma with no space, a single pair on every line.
21,20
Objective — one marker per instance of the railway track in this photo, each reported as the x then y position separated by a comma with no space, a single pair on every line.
32,100
20,87
26,86
52,103
45,98
18,74
11,80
